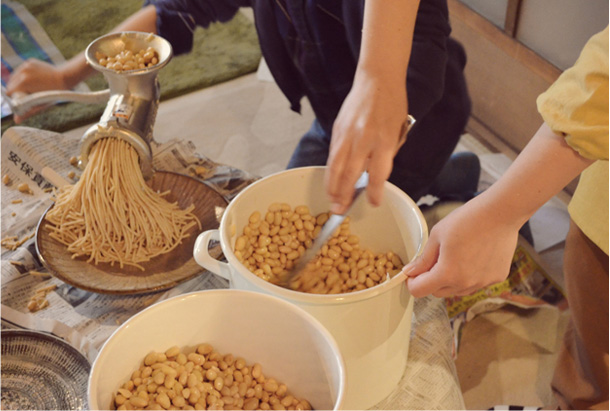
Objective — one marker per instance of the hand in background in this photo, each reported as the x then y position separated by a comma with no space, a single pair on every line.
33,76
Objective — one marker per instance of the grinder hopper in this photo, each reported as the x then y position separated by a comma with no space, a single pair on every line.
134,95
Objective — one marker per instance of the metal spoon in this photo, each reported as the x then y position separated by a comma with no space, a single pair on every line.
327,231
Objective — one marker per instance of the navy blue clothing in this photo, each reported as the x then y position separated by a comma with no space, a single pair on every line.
312,47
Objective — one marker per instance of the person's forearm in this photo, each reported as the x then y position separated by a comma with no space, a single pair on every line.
367,130
544,167
387,34
76,69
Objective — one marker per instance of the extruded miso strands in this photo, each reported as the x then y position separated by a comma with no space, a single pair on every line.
112,216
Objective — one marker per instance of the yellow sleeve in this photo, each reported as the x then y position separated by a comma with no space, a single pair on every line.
576,105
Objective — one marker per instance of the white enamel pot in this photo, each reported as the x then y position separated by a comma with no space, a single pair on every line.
372,327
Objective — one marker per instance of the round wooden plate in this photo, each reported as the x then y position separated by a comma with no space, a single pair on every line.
161,272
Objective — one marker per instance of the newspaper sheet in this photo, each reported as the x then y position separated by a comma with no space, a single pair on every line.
527,286
86,320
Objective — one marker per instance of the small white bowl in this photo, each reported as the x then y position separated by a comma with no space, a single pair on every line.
290,344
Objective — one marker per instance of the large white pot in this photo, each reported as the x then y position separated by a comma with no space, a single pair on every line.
372,327
290,344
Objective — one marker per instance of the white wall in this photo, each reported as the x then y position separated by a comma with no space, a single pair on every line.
558,29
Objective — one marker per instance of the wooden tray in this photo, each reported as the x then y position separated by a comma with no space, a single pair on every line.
160,273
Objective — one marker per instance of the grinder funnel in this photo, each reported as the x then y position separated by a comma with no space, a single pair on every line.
134,94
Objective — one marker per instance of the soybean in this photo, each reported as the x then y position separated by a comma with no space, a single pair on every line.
177,379
127,60
273,241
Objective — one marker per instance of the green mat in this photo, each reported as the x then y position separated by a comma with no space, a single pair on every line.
220,53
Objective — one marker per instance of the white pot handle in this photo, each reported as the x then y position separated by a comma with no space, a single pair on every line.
203,257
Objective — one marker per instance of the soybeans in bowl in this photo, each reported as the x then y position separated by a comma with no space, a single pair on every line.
273,242
202,378
219,349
